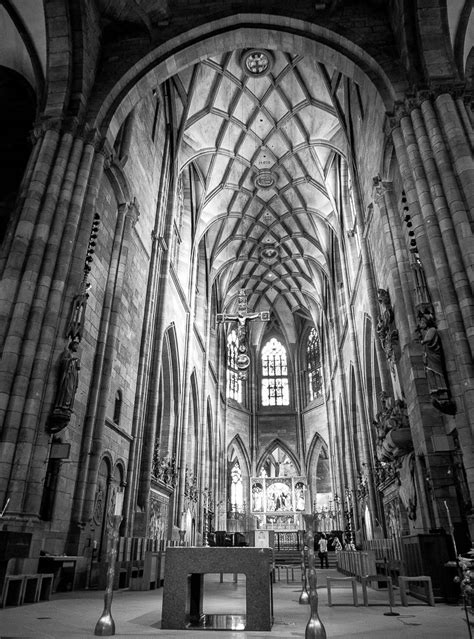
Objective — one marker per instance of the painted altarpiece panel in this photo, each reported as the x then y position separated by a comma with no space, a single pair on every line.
278,502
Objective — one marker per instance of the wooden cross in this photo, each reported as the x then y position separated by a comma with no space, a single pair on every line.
242,313
242,317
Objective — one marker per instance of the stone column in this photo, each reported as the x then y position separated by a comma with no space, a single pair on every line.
440,284
369,279
162,260
396,253
187,389
97,370
24,231
299,395
465,119
24,291
366,457
5,249
459,146
366,442
126,220
27,392
144,434
447,247
452,293
335,451
457,235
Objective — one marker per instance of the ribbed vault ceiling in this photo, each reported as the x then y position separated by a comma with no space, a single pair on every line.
264,150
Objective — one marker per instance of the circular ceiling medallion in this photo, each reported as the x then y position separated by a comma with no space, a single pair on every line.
270,253
257,62
265,179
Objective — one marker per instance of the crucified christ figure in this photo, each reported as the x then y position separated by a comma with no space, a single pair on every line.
242,317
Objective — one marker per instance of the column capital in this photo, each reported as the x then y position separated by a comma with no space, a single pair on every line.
130,210
133,211
415,98
380,188
393,118
45,124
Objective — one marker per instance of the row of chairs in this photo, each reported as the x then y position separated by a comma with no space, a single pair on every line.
20,589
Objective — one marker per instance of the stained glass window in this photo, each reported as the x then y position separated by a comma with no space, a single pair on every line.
313,365
275,390
234,383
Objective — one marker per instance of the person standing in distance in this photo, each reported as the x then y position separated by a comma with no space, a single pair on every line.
323,551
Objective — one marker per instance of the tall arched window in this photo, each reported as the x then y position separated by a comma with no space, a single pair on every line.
275,390
234,383
117,406
313,365
236,488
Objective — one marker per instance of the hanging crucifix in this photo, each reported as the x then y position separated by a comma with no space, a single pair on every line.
242,317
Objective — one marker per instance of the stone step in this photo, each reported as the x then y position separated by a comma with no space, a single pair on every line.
293,557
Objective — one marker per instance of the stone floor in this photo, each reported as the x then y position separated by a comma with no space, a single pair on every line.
138,614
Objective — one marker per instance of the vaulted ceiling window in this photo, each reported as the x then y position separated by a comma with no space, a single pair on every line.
275,390
313,365
234,383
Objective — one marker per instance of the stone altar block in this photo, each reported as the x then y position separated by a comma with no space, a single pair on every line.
184,579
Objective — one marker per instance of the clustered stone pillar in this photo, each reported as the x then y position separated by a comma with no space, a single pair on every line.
162,238
34,286
432,146
398,267
95,420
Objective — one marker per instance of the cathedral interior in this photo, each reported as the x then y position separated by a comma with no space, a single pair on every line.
236,268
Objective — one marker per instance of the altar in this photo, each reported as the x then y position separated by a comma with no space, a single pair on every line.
184,586
278,503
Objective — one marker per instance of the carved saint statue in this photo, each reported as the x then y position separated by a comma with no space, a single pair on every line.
386,330
433,359
76,323
68,377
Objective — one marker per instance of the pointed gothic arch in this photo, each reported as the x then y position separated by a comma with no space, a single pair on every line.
368,367
208,458
319,468
354,420
274,372
275,444
238,476
193,431
169,395
313,40
311,364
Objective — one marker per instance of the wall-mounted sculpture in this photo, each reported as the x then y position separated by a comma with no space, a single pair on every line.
434,362
393,430
69,364
68,378
386,329
395,449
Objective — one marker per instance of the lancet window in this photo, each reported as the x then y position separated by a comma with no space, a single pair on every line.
313,365
275,388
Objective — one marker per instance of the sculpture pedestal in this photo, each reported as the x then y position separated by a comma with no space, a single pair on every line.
183,587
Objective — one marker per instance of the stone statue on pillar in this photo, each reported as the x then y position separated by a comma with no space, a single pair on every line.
434,362
68,378
388,336
395,450
386,329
